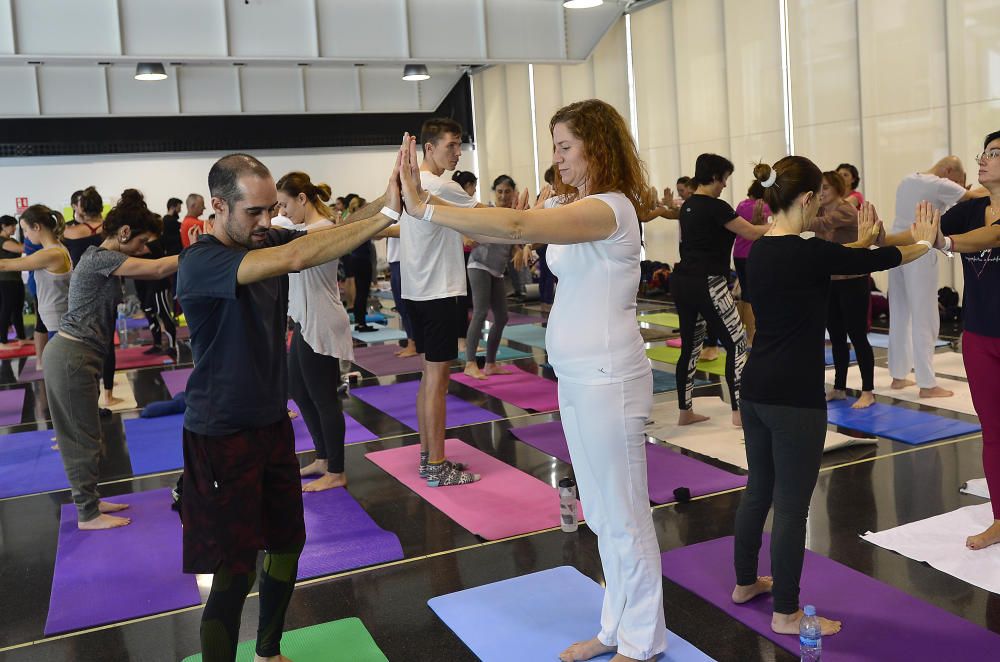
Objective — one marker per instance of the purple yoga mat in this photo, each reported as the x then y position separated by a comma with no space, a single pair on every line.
341,536
520,388
303,440
30,372
666,469
11,405
879,622
107,576
400,402
381,360
176,380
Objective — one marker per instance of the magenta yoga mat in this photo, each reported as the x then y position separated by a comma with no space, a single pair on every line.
400,402
667,470
520,388
879,622
11,406
505,502
176,380
381,360
108,576
135,357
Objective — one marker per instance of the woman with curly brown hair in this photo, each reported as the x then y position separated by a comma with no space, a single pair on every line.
75,355
605,381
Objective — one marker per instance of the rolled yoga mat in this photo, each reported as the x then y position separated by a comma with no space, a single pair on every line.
381,360
533,618
109,576
11,406
381,334
24,350
667,470
346,640
505,502
520,388
905,425
29,464
880,622
531,335
400,402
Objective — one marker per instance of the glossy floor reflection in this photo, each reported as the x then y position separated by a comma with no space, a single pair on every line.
859,489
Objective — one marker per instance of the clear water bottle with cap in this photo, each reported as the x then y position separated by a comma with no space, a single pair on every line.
567,504
810,636
122,327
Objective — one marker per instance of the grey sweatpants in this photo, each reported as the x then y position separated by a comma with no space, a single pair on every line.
487,295
72,378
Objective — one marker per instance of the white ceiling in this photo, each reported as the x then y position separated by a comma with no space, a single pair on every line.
77,57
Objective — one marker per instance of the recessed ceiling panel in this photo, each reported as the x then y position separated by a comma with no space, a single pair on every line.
22,79
129,96
332,90
66,27
447,30
72,90
383,90
272,90
584,28
358,30
436,88
209,90
524,29
266,28
169,29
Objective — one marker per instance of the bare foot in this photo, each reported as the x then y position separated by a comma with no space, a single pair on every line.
835,394
789,624
737,419
315,468
103,522
585,650
292,414
275,658
108,507
709,354
990,536
743,594
406,353
494,369
472,370
326,482
866,400
936,392
111,401
898,384
687,417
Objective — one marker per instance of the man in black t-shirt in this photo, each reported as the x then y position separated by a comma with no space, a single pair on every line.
171,237
242,490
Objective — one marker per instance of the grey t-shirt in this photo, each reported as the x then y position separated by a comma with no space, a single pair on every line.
490,257
94,295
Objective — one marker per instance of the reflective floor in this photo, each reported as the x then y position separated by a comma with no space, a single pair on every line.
859,489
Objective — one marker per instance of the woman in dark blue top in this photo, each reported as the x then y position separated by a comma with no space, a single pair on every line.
783,402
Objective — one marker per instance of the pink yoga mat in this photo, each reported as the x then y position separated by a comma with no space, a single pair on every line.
505,502
674,342
520,388
23,350
133,357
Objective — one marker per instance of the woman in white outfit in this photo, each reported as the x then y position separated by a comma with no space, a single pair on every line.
605,381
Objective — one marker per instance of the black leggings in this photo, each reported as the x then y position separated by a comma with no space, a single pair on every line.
12,308
704,302
110,363
784,448
362,267
158,308
847,316
312,382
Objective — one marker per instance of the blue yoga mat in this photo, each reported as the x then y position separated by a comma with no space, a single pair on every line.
664,381
504,353
882,340
383,334
28,464
535,617
905,425
371,318
526,334
829,356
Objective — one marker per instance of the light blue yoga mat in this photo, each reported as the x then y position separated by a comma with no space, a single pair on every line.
526,334
504,353
535,617
882,340
382,334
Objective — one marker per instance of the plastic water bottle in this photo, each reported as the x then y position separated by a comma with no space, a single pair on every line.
810,636
122,327
567,504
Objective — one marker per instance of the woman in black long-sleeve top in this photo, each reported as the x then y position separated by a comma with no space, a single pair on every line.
784,404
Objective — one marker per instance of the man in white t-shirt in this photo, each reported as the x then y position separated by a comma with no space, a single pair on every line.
432,271
914,321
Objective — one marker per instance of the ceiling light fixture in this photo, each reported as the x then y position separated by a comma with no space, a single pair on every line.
150,71
582,4
414,72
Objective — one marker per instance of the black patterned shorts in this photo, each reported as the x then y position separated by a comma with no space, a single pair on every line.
242,493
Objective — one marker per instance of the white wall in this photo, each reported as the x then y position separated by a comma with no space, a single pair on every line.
51,180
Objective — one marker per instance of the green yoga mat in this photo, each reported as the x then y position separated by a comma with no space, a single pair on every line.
662,319
671,354
345,640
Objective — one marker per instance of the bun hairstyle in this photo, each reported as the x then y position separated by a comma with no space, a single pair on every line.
131,211
786,180
91,203
463,178
41,216
297,182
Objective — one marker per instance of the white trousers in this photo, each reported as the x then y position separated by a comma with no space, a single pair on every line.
914,322
604,430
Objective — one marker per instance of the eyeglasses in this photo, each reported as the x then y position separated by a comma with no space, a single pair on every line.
988,156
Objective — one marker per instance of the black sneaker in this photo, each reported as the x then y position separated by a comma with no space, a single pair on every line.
155,349
364,328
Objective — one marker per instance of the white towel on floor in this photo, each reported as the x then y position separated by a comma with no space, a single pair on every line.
960,402
940,542
717,437
949,363
976,487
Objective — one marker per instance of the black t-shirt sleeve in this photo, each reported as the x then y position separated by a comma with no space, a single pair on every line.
956,219
831,258
280,236
209,270
721,213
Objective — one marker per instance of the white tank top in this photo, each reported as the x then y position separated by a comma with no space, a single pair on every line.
592,336
52,292
314,302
